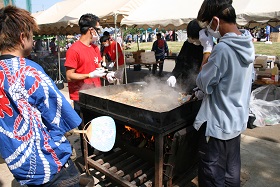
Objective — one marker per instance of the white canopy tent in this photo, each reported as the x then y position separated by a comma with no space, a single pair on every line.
257,12
173,14
52,19
63,17
177,13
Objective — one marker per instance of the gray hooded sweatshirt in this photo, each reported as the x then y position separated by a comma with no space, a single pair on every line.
226,80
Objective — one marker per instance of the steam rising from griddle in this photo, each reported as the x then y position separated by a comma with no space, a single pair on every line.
152,95
160,93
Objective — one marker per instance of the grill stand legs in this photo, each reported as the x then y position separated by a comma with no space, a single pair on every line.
158,177
158,160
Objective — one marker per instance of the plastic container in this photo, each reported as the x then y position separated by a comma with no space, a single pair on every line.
275,73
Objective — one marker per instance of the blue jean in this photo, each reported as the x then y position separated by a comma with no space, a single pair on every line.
219,161
67,177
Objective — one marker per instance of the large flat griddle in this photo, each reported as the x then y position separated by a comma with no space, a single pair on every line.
94,100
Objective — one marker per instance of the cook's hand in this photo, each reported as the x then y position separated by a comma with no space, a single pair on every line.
171,81
99,72
111,65
206,40
198,93
111,77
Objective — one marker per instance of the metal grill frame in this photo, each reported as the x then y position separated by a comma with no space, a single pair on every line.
90,107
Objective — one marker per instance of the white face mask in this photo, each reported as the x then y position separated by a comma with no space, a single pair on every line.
216,33
95,38
106,45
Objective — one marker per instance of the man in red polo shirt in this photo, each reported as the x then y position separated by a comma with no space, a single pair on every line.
83,58
83,61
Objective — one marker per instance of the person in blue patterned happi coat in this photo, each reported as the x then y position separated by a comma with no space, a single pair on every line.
34,115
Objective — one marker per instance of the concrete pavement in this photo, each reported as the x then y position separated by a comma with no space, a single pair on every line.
259,164
259,154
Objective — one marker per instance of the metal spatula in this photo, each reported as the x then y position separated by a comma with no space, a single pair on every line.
118,74
101,133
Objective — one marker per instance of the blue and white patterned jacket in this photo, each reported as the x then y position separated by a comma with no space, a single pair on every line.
34,116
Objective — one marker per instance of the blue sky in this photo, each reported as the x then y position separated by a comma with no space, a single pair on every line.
37,5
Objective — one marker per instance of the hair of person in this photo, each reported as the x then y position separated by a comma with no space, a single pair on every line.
223,9
104,38
87,21
106,33
14,22
193,29
159,34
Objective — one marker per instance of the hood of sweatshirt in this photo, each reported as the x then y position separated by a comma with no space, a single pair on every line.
242,44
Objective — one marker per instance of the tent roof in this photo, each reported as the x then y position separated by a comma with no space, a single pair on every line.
177,13
57,13
105,10
257,12
63,17
163,14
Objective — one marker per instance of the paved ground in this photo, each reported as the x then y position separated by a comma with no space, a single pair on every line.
260,148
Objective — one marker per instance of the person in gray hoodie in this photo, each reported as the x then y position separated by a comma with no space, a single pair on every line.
226,81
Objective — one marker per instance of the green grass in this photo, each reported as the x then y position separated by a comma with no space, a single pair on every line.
175,47
267,49
260,47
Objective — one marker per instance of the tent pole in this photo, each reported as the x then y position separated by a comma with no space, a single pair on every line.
125,73
117,52
58,56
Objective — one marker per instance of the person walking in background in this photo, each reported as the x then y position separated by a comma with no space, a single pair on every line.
226,79
53,47
160,48
38,46
83,61
34,115
129,38
259,35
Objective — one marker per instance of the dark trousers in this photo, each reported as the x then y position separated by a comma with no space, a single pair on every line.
219,161
160,67
68,176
